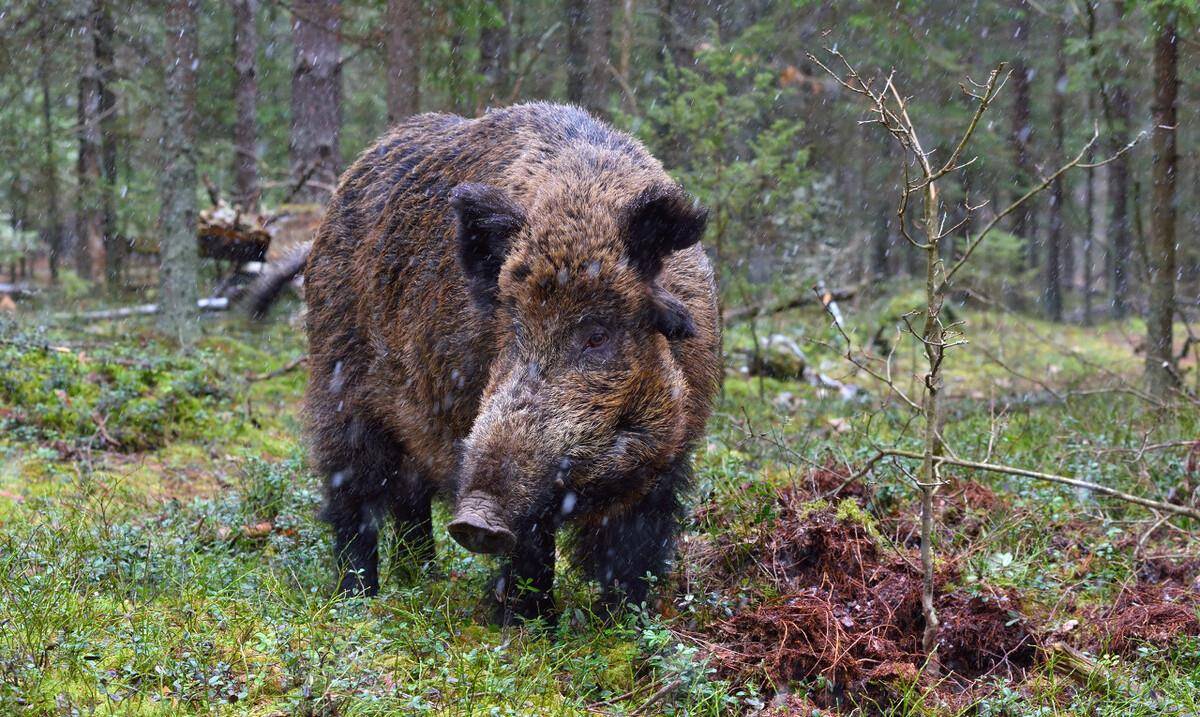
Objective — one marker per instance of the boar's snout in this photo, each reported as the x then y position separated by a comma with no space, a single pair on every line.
478,525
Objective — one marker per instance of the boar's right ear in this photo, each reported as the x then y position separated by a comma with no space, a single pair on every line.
487,220
661,220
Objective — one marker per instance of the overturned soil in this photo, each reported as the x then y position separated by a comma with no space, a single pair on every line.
1161,606
823,590
840,602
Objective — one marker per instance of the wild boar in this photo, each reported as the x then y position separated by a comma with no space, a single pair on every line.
512,312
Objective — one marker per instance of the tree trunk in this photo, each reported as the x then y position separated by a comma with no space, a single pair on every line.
599,64
1160,360
178,259
1089,235
89,218
577,49
316,98
881,244
589,34
1120,251
1058,195
16,215
1024,219
1069,246
495,55
933,340
246,189
125,172
666,32
461,95
1190,270
403,59
625,47
53,227
683,21
115,249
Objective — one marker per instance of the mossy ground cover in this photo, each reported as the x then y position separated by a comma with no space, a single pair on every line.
172,562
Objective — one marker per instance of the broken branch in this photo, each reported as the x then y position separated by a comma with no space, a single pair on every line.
1051,477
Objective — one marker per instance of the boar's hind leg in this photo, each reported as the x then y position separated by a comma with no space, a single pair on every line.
627,547
355,525
368,481
525,588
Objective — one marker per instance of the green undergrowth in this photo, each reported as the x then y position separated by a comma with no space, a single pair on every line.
188,606
174,564
106,400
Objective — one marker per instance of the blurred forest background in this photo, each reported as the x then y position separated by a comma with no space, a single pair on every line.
954,468
275,98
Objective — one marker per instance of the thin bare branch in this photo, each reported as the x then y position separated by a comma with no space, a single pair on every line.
1039,187
1050,477
990,90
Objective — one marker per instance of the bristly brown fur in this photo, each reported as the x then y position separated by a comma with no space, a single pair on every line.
451,289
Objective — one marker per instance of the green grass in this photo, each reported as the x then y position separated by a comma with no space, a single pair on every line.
180,569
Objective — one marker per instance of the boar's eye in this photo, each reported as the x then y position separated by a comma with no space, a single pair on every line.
595,342
596,339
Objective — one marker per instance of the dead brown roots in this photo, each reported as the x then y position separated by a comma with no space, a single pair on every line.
1161,606
848,609
815,592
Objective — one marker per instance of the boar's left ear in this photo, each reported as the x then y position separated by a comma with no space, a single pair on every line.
661,220
487,220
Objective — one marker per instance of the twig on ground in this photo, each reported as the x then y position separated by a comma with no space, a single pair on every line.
657,696
286,368
102,430
752,311
1145,536
1052,477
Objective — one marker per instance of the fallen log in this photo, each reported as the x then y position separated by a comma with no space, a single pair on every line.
777,356
17,291
218,303
809,298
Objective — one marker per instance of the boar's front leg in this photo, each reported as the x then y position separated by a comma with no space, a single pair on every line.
525,588
624,548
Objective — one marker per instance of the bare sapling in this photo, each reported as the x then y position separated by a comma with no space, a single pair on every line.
921,207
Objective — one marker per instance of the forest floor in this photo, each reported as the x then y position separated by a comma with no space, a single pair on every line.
160,553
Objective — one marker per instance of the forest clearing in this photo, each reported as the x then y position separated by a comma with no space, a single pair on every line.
172,561
936,264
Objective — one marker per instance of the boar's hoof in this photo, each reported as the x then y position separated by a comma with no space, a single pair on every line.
477,525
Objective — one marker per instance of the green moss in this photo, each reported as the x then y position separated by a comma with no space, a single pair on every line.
620,664
105,401
849,511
